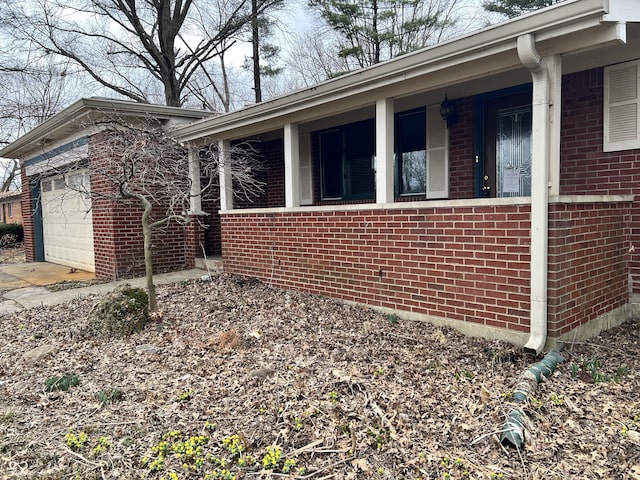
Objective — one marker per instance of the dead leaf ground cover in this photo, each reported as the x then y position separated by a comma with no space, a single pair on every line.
239,380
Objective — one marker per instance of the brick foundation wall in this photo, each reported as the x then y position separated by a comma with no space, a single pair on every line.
588,262
119,242
584,168
463,263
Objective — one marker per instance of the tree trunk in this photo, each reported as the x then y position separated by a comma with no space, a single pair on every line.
255,40
148,257
12,172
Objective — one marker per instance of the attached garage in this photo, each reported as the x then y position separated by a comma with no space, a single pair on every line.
67,223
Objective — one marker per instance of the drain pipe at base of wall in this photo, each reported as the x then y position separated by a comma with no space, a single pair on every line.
540,135
513,429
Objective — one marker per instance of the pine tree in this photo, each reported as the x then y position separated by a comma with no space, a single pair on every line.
515,8
371,31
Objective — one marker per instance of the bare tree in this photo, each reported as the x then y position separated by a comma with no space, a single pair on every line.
32,93
311,56
130,47
144,166
9,175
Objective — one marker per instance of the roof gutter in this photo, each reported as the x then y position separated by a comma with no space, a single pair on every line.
102,106
540,151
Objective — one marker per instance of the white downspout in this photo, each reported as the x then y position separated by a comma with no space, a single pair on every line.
540,134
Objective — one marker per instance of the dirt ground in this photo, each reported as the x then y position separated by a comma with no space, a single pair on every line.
239,380
12,254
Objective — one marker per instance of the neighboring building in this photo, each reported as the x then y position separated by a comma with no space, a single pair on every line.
61,225
10,209
511,210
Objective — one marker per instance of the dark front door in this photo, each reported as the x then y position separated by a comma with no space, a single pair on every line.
507,146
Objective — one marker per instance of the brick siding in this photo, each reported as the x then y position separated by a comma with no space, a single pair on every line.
588,262
27,221
117,231
461,158
584,168
464,263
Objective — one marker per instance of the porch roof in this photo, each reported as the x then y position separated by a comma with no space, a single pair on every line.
573,28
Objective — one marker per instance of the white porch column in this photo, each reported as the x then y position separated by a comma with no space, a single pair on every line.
553,64
195,200
384,151
224,172
291,165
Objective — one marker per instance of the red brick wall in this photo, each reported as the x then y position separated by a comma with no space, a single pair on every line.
27,224
463,263
117,231
588,262
584,167
461,158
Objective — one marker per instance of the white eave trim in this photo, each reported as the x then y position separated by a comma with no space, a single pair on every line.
49,129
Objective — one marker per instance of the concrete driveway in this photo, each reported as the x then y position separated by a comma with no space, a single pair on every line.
20,275
23,285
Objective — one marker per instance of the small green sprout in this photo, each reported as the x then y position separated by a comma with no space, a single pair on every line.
272,458
109,396
76,442
234,444
64,383
102,445
185,395
333,396
289,463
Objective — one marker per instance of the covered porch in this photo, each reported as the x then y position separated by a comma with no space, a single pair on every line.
463,212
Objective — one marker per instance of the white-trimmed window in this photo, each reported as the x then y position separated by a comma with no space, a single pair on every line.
622,106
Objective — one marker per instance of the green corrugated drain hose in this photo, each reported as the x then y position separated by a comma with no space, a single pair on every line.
513,429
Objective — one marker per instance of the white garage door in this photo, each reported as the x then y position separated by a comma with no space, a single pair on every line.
67,224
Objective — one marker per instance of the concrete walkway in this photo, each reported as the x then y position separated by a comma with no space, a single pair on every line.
24,285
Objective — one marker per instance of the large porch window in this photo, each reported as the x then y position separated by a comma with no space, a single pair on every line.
411,152
346,161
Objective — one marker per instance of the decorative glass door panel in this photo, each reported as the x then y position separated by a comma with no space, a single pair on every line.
513,152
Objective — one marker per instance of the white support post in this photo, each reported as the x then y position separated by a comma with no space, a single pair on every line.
291,165
553,64
224,172
195,199
384,151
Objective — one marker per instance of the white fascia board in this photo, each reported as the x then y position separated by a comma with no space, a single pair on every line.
53,128
622,11
550,22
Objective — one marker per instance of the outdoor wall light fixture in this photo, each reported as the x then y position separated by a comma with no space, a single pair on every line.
448,111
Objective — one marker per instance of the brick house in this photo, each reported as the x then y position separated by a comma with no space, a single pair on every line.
61,225
10,209
490,183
